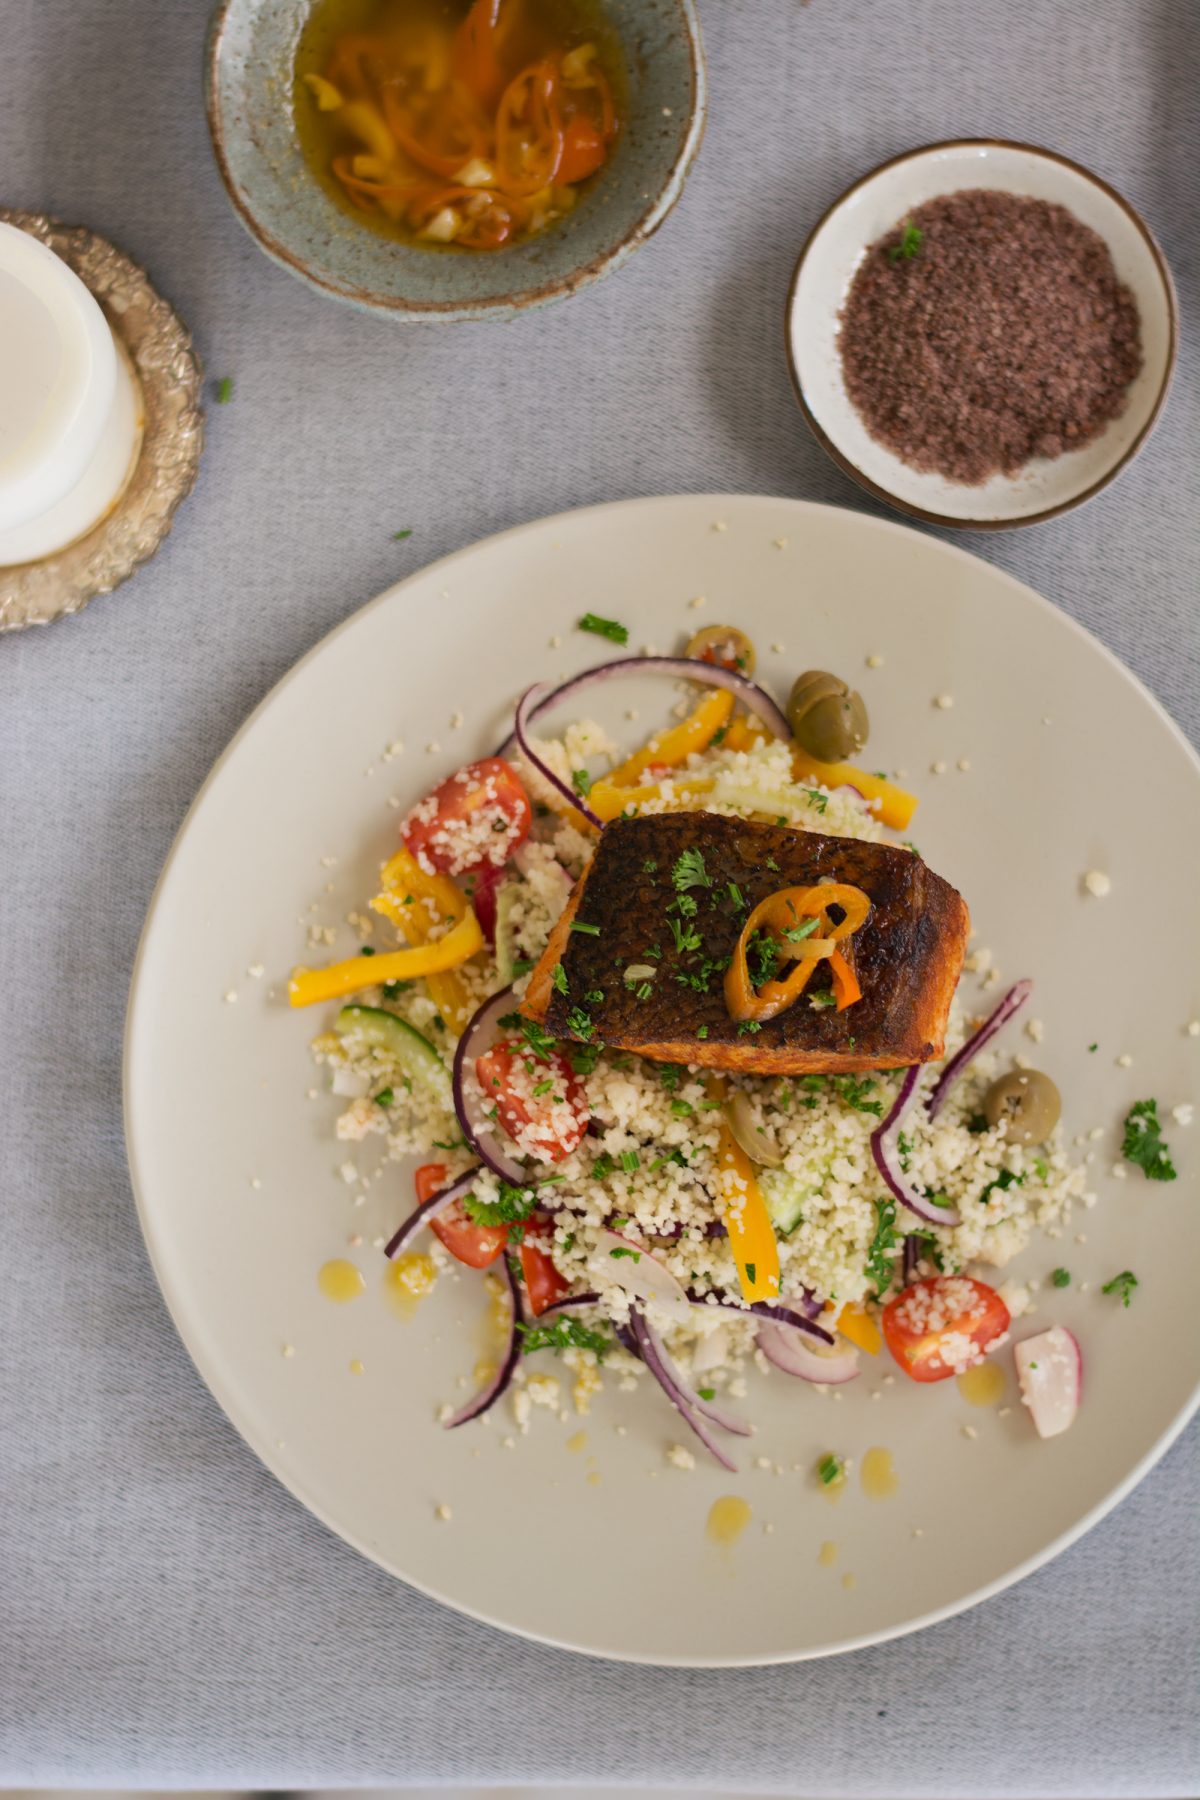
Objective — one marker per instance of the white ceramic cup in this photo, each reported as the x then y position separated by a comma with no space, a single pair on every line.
71,419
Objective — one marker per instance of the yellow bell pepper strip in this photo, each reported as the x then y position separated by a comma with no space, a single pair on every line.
681,741
855,1322
609,802
779,914
308,986
743,734
896,807
405,887
751,1234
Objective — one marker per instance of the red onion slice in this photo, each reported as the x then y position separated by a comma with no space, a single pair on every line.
652,1354
481,1033
885,1150
1012,1003
783,1346
629,1265
502,1379
527,706
769,1309
428,1209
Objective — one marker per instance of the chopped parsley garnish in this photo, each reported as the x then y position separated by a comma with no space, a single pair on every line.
1004,1180
649,867
689,871
581,781
681,1109
702,1031
762,957
909,244
398,537
1061,1278
879,1267
511,1207
605,628
384,1097
672,1156
751,1273
587,930
542,1087
449,1144
631,1162
718,737
854,1092
735,894
830,1469
1143,1143
579,1022
521,965
583,1057
392,990
603,1166
537,1038
686,936
904,1150
225,390
707,1393
643,990
625,1250
817,799
366,950
749,1026
563,1334
1092,1048
1122,1285
820,1001
559,978
670,1074
772,865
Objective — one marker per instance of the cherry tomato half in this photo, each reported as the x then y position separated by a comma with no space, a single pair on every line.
940,1326
540,1103
474,1245
543,1283
476,817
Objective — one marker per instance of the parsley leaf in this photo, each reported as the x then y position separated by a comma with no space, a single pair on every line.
1122,1285
1004,1180
689,871
830,1469
625,1250
225,390
880,1264
816,799
910,242
511,1207
605,628
762,957
563,1334
581,781
579,1022
398,537
1061,1278
854,1092
1143,1143
559,978
537,1038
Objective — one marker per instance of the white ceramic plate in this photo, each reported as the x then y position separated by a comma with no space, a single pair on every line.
218,1089
873,206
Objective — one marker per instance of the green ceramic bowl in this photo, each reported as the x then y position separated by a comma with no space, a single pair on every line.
248,68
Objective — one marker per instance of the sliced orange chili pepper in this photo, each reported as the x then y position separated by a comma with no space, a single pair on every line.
583,150
779,914
476,59
845,981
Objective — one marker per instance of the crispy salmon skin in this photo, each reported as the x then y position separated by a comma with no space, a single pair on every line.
625,913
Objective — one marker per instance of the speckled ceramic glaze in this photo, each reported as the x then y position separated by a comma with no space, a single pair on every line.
251,54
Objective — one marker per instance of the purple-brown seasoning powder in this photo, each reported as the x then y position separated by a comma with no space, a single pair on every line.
987,329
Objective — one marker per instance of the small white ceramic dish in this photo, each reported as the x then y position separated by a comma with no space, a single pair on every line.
827,266
241,1181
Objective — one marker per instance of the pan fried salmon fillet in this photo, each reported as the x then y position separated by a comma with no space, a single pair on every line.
625,914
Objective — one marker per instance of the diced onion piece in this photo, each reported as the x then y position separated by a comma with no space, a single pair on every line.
327,97
444,226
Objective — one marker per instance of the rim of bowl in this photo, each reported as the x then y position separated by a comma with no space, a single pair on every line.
501,305
885,494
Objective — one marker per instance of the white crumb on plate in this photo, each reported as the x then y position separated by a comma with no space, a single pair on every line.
230,996
1184,1113
1097,883
679,1458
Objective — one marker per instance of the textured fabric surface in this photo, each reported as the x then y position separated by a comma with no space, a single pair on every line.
167,1613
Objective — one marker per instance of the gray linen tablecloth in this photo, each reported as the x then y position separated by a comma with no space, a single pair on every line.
168,1615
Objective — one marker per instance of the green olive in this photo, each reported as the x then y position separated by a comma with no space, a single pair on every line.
724,645
828,718
1027,1102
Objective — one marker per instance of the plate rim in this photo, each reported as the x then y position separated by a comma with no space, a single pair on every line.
235,1413
949,520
